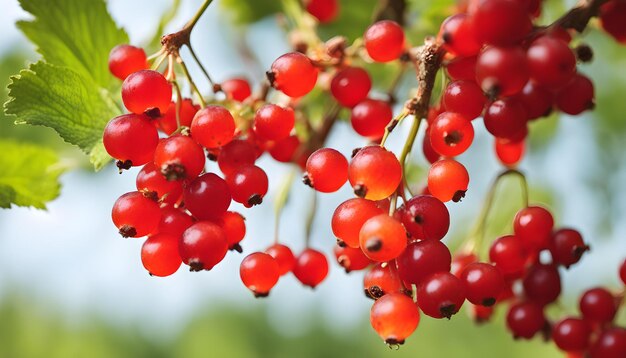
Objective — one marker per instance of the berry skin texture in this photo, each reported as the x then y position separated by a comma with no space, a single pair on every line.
374,173
441,295
146,91
576,96
259,272
502,71
238,153
159,255
551,62
151,180
283,256
273,122
174,221
567,246
536,99
525,319
505,118
448,180
464,98
135,215
612,15
382,279
610,344
483,282
350,216
422,259
457,34
293,74
533,227
425,218
285,149
207,197
370,117
237,89
508,254
572,334
203,245
501,22
213,127
350,86
131,137
248,185
179,157
384,41
324,10
326,170
463,68
351,259
451,134
234,227
311,267
394,317
542,284
382,238
598,305
167,123
126,59
508,152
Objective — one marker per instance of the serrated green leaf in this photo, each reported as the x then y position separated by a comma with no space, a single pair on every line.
77,34
29,175
66,101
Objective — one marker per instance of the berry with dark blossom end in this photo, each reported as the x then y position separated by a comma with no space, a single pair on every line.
311,267
576,96
598,305
350,216
326,170
148,92
259,272
159,255
572,334
394,317
207,197
451,134
502,71
551,62
351,259
294,74
374,173
384,41
567,246
425,218
448,180
525,319
382,238
127,59
464,98
150,179
135,215
248,185
130,138
203,245
458,37
484,283
234,226
422,259
284,256
179,157
382,279
441,295
213,126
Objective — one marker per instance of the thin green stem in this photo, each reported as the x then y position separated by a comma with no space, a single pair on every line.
159,62
408,145
392,125
191,82
206,73
310,219
281,200
191,23
179,99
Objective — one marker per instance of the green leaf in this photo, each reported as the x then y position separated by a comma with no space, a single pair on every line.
66,101
77,34
29,175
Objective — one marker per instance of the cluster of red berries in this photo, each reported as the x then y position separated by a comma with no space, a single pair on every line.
499,67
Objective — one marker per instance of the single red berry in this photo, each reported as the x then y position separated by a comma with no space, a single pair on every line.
374,173
502,71
484,283
451,134
311,267
350,216
259,272
382,238
481,314
422,259
284,256
273,122
567,246
536,99
146,91
610,344
179,157
370,117
168,123
465,98
203,245
598,305
351,259
131,139
384,41
460,261
174,221
324,10
293,74
441,295
612,15
126,59
525,319
458,36
382,279
213,127
533,227
425,218
394,317
135,215
248,185
501,22
237,89
207,197
572,334
326,170
462,68
551,62
350,86
238,153
159,255
576,96
234,226
150,179
285,149
542,284
509,153
448,180
508,254
505,118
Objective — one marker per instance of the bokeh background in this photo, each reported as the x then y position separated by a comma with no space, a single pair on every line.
71,287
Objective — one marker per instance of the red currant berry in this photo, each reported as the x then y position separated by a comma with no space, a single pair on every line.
429,153
508,254
311,267
525,319
501,22
126,59
509,153
460,261
612,15
159,255
146,91
174,221
425,218
324,10
350,86
351,259
537,100
213,127
422,259
484,283
293,74
502,71
451,134
394,317
131,139
168,123
448,180
349,217
179,157
381,280
567,246
370,117
533,227
135,215
151,180
248,185
463,68
464,98
441,295
273,122
572,334
237,89
551,62
207,197
576,96
234,227
458,36
382,238
203,245
285,149
505,118
542,284
259,273
236,154
610,344
384,41
326,170
598,305
374,173
284,256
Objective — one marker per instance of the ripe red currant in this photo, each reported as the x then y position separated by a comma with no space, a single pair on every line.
351,259
350,216
525,319
131,139
179,157
542,284
451,134
374,173
311,267
207,197
384,41
146,91
567,246
382,279
370,117
326,170
237,89
394,317
203,245
284,256
174,221
465,98
502,71
458,36
259,273
422,259
159,255
126,59
484,283
248,185
273,122
501,22
508,254
448,180
572,334
350,86
323,10
293,74
598,305
576,96
213,126
382,238
425,218
441,295
533,227
135,215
